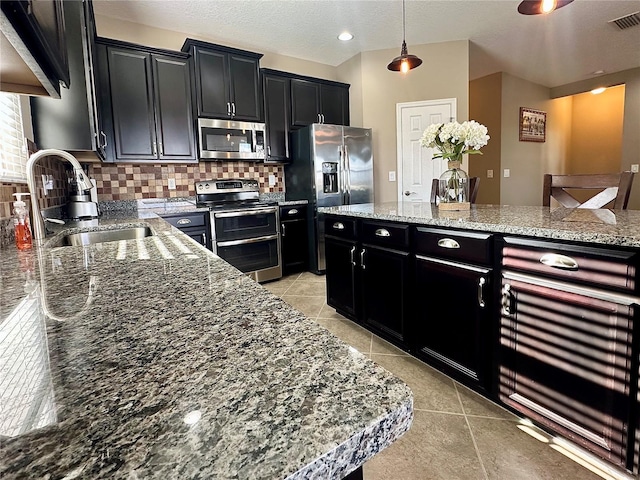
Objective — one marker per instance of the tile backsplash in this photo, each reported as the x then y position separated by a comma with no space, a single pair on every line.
136,181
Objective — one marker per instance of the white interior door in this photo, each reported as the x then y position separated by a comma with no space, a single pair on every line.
416,168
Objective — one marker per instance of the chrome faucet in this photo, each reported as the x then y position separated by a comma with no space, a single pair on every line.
37,220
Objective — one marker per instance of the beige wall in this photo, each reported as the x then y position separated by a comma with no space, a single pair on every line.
485,98
383,89
351,72
171,40
596,132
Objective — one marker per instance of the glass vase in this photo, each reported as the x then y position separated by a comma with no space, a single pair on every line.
453,189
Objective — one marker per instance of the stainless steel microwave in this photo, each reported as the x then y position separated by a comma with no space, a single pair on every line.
230,140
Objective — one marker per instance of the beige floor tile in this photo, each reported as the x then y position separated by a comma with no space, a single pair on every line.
310,306
380,345
509,453
438,446
330,312
349,332
308,288
431,389
476,405
277,288
309,276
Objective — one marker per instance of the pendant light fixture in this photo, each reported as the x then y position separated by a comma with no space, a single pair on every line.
404,62
541,7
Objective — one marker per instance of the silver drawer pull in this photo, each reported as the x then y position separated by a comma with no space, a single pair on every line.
559,261
184,221
382,232
293,211
338,226
481,284
448,243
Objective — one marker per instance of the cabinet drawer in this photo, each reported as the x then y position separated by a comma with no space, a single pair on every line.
293,212
187,220
394,235
343,227
471,247
599,267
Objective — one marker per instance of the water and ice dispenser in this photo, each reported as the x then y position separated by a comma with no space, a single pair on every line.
330,177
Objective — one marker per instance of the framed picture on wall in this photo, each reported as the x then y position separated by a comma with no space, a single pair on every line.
533,125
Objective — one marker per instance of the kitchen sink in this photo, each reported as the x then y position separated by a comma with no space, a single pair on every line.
103,236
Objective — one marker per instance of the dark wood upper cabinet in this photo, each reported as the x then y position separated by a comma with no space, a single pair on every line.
72,122
227,81
318,101
276,116
36,29
150,111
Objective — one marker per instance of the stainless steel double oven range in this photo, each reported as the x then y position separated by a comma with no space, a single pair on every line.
244,229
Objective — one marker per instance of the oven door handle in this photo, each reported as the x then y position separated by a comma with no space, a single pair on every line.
245,213
247,240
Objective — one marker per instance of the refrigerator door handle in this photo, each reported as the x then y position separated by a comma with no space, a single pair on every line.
341,177
347,171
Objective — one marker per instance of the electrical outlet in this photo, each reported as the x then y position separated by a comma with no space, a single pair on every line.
272,180
172,184
392,176
489,173
507,173
634,167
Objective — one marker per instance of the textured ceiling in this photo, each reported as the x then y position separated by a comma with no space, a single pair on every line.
566,46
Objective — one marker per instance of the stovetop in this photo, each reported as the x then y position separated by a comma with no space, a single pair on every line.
227,194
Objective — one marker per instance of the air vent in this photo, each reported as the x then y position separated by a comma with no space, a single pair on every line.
628,21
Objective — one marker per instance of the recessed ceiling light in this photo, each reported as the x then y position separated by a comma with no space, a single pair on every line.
598,90
345,36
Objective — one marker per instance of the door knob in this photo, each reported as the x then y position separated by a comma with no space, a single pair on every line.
407,193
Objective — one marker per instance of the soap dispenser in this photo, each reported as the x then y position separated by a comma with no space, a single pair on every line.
21,225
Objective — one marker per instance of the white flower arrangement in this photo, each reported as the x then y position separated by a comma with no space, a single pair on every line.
454,139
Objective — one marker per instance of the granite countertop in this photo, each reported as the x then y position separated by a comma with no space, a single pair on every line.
154,358
605,227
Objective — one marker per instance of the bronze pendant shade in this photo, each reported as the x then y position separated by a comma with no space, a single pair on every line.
536,7
404,62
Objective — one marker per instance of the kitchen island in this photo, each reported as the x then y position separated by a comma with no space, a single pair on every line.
153,358
541,306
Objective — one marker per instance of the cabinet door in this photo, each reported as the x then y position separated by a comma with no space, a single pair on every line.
212,83
175,130
276,116
565,359
385,290
341,276
246,95
453,328
305,102
334,104
294,244
130,80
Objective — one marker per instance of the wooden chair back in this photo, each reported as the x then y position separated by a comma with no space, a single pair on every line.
474,183
613,187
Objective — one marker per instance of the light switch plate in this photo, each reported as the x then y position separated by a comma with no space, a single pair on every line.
392,176
507,173
172,184
634,167
272,180
489,173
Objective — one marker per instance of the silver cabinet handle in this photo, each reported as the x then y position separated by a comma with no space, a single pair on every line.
382,232
184,221
293,211
506,299
448,243
104,136
481,284
268,150
204,239
322,115
161,148
352,253
338,226
282,226
559,261
155,149
364,250
228,108
233,109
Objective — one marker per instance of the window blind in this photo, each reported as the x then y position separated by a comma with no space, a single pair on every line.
13,152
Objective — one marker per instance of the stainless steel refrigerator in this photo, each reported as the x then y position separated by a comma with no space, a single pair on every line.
331,165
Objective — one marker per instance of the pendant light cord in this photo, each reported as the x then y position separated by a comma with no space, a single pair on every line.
404,33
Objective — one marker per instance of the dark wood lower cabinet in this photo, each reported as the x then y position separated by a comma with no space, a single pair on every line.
341,276
452,327
385,291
